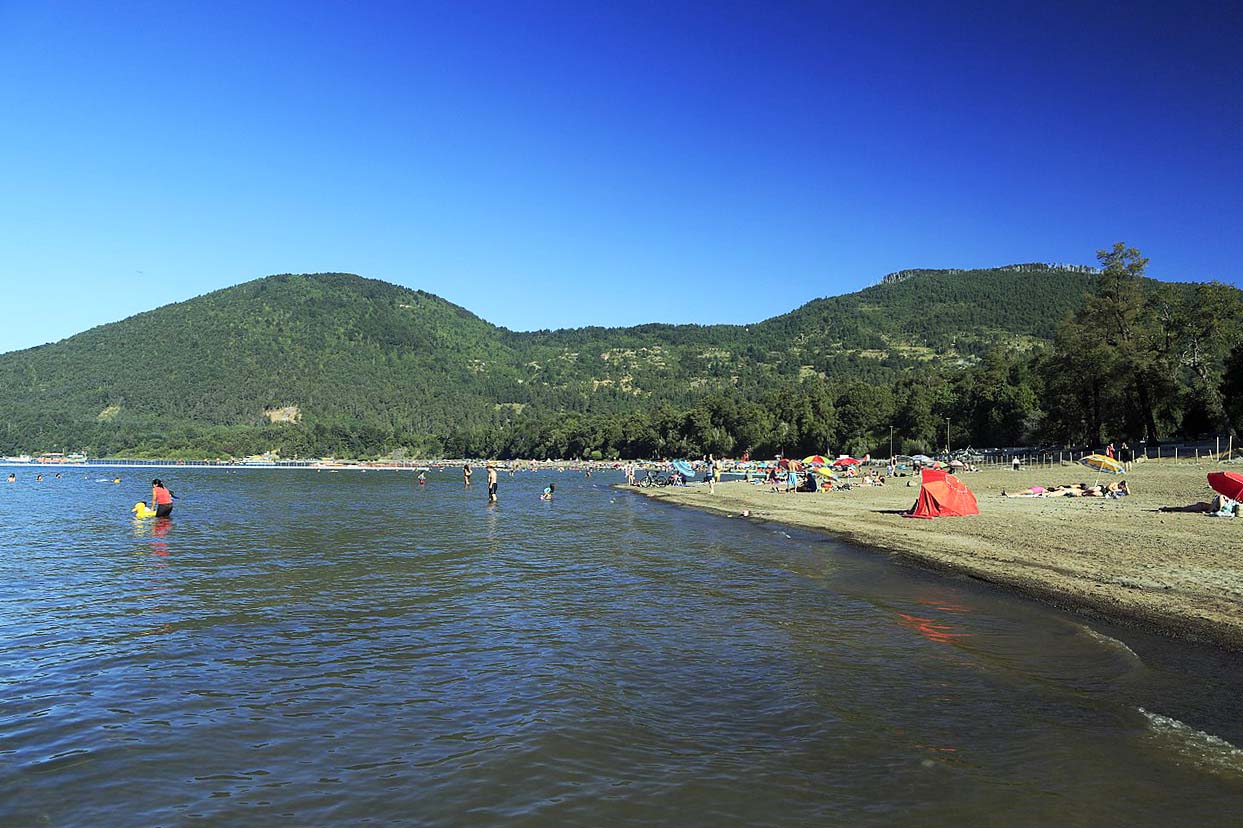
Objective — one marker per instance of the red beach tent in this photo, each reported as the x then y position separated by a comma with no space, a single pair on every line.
942,495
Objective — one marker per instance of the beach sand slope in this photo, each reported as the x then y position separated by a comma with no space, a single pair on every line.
1179,574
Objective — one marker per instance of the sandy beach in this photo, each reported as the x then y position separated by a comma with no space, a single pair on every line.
1178,574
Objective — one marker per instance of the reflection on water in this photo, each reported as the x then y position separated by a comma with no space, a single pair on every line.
342,649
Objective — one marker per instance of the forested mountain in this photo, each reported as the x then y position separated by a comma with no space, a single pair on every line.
337,364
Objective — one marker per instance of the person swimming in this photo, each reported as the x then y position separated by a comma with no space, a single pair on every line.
142,510
548,490
12,477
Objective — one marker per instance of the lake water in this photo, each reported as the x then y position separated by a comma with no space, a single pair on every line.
315,649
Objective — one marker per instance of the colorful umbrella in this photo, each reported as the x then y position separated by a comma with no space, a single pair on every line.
825,472
957,464
845,461
1103,464
1228,484
816,460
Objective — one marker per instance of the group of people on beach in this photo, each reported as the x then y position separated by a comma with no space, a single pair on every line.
1112,490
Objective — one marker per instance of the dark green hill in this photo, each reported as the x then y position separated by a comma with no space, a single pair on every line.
338,364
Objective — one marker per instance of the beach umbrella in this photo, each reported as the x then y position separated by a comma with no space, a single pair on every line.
845,461
1103,464
1227,484
825,472
922,459
816,460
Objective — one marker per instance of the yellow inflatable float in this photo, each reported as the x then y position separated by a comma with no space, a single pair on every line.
141,510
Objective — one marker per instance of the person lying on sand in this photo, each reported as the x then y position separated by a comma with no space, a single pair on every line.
1073,490
1219,505
1035,491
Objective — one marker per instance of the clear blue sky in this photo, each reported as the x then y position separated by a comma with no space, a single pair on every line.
550,165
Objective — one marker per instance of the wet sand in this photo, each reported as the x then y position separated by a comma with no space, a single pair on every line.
1178,574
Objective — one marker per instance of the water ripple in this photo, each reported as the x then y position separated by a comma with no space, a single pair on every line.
351,649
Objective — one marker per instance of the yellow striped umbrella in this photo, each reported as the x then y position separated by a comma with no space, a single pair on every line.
1103,464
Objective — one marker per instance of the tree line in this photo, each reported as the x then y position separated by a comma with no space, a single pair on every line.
379,370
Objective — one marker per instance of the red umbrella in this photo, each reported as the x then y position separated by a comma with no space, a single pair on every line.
1229,484
845,461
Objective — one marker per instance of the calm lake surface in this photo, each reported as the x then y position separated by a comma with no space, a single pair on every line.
314,649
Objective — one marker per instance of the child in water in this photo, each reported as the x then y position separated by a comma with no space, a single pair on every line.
548,490
422,478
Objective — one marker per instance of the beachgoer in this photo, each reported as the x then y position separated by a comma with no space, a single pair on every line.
1109,451
491,483
422,479
466,474
1125,455
12,477
116,480
162,498
1014,463
142,510
1220,506
548,490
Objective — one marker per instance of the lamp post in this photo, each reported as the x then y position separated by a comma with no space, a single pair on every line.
891,442
947,437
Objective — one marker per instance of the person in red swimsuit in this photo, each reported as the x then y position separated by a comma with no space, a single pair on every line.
162,498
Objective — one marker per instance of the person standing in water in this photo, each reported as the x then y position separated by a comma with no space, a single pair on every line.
491,483
466,475
162,498
422,478
548,490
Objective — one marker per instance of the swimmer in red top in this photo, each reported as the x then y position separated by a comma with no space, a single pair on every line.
162,498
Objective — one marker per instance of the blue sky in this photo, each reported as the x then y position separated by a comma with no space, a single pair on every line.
562,164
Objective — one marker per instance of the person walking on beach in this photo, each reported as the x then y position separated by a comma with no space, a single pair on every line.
491,483
162,498
1125,455
466,475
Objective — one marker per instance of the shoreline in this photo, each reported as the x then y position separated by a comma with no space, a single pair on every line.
1177,574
